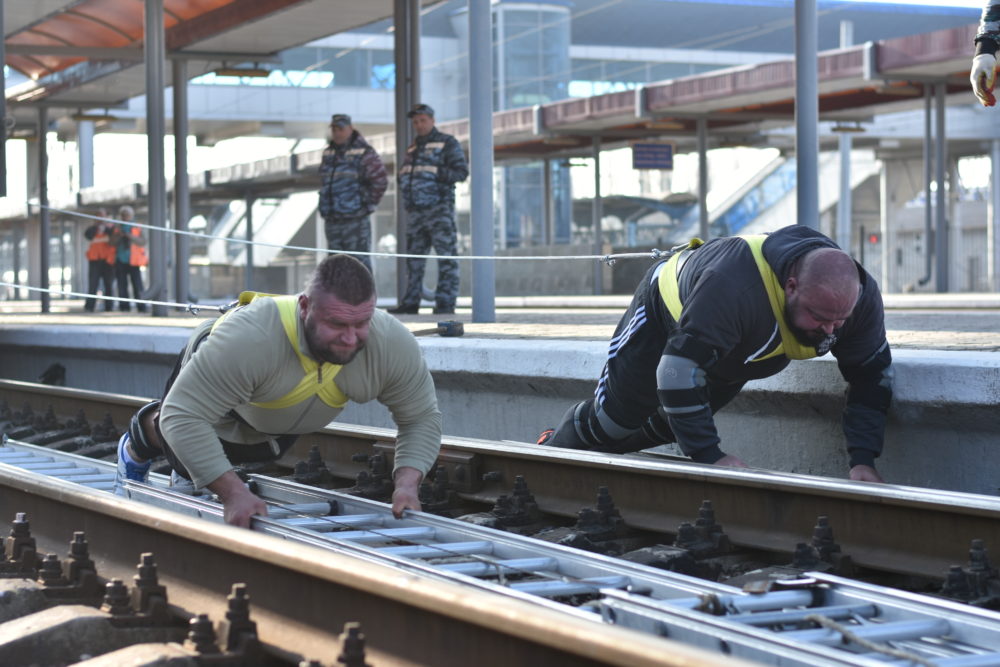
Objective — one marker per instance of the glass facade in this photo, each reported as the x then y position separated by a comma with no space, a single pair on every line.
532,66
533,40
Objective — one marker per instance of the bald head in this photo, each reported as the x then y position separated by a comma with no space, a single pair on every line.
821,293
832,274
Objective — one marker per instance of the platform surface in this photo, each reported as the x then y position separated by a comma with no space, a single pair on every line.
937,322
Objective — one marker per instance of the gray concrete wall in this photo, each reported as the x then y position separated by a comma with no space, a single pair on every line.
120,359
942,426
517,278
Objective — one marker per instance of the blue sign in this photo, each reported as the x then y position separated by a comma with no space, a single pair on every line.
652,155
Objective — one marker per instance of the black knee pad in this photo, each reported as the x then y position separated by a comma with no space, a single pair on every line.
140,444
565,433
581,428
655,431
577,428
657,428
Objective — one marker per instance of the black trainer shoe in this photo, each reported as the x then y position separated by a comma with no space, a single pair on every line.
404,309
545,436
444,310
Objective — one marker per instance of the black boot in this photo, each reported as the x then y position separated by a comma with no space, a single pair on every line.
565,435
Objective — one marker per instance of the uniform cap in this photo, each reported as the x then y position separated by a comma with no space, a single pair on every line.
340,119
420,109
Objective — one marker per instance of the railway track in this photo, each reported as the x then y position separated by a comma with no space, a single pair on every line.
300,598
857,624
906,531
480,473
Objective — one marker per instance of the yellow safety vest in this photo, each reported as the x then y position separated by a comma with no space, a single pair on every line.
314,381
790,346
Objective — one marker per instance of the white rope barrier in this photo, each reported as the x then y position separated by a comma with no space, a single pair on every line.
607,259
192,308
195,309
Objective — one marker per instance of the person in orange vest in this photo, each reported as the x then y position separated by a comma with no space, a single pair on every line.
130,246
101,261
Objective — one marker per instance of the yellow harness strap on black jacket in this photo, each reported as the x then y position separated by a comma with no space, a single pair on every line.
670,292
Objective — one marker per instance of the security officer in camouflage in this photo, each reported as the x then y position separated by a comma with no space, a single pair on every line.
353,180
427,177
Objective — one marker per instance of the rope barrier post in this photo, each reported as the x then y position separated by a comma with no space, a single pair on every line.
481,161
85,151
928,202
62,254
248,277
43,209
701,125
182,193
597,212
844,146
155,57
548,202
940,202
406,38
807,113
18,235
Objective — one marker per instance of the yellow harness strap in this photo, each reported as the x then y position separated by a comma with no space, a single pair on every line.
790,347
668,280
314,381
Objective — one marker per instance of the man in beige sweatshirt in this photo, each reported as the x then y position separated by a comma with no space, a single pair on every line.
248,383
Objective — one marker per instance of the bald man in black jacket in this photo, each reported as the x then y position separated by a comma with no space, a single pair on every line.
716,315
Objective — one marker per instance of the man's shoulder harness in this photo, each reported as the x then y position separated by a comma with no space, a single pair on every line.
314,381
670,293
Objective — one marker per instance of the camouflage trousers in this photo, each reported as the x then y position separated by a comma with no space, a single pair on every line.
423,229
352,235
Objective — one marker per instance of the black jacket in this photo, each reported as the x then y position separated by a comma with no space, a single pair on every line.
988,34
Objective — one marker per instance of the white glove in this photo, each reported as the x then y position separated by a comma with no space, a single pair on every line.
982,77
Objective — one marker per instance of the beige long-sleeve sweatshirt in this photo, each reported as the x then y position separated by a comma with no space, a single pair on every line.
248,359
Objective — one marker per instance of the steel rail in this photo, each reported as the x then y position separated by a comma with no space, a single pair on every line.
301,595
887,527
765,627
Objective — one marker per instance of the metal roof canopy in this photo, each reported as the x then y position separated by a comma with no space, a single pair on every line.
852,84
89,53
855,84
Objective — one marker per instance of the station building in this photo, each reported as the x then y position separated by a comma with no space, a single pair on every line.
543,53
